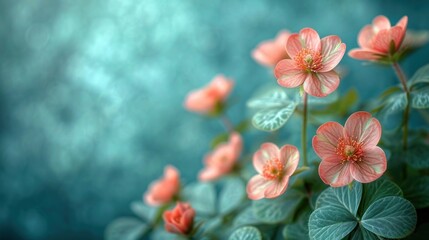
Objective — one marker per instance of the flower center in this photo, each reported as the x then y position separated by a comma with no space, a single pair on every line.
308,60
273,169
349,150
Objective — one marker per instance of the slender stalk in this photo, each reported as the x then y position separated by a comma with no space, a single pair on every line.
403,79
227,123
304,130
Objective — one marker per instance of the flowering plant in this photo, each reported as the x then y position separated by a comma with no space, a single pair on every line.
357,180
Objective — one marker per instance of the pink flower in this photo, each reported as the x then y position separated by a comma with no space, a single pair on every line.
350,152
274,169
222,160
163,190
269,53
180,220
208,99
380,39
312,63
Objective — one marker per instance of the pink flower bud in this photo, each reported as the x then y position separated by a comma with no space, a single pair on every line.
179,220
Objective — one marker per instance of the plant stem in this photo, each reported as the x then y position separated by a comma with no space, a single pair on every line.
227,123
403,79
304,130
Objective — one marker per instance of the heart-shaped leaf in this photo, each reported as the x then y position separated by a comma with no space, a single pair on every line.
246,233
272,99
361,233
419,99
342,197
231,195
394,103
202,197
376,190
390,217
299,229
331,223
271,119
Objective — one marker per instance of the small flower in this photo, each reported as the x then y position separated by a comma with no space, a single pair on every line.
274,169
179,220
222,160
350,152
163,190
312,63
270,52
380,40
208,99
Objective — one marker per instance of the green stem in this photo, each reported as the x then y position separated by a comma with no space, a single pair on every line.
304,130
403,79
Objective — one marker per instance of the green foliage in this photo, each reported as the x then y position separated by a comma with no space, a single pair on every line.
231,196
299,229
416,190
125,229
417,155
420,98
246,233
202,197
273,109
340,106
421,76
278,209
144,211
390,217
382,212
246,217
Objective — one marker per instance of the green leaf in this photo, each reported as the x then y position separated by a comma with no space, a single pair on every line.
231,195
395,103
246,233
271,119
342,197
421,76
223,137
390,217
125,229
202,197
246,217
420,98
144,211
417,156
416,190
299,229
361,233
331,223
274,98
277,209
376,190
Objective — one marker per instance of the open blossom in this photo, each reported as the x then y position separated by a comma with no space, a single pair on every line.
207,99
270,52
350,152
163,190
222,160
274,167
380,39
179,220
312,63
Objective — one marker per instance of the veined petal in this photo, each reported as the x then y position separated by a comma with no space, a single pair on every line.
266,152
366,54
365,36
335,173
384,38
276,188
372,166
326,140
310,39
293,45
288,75
256,187
332,52
403,24
362,127
321,84
380,22
290,156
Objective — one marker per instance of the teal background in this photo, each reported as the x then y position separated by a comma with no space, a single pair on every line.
91,94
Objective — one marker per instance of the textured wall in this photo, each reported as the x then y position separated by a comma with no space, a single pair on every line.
91,94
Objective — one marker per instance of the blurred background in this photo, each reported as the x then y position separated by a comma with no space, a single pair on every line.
91,94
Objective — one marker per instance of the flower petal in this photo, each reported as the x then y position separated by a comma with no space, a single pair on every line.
364,128
366,54
403,24
209,174
266,152
321,84
276,188
326,140
384,38
310,39
171,173
222,86
332,52
199,101
289,154
236,144
256,187
293,45
380,22
335,173
365,36
288,75
372,166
